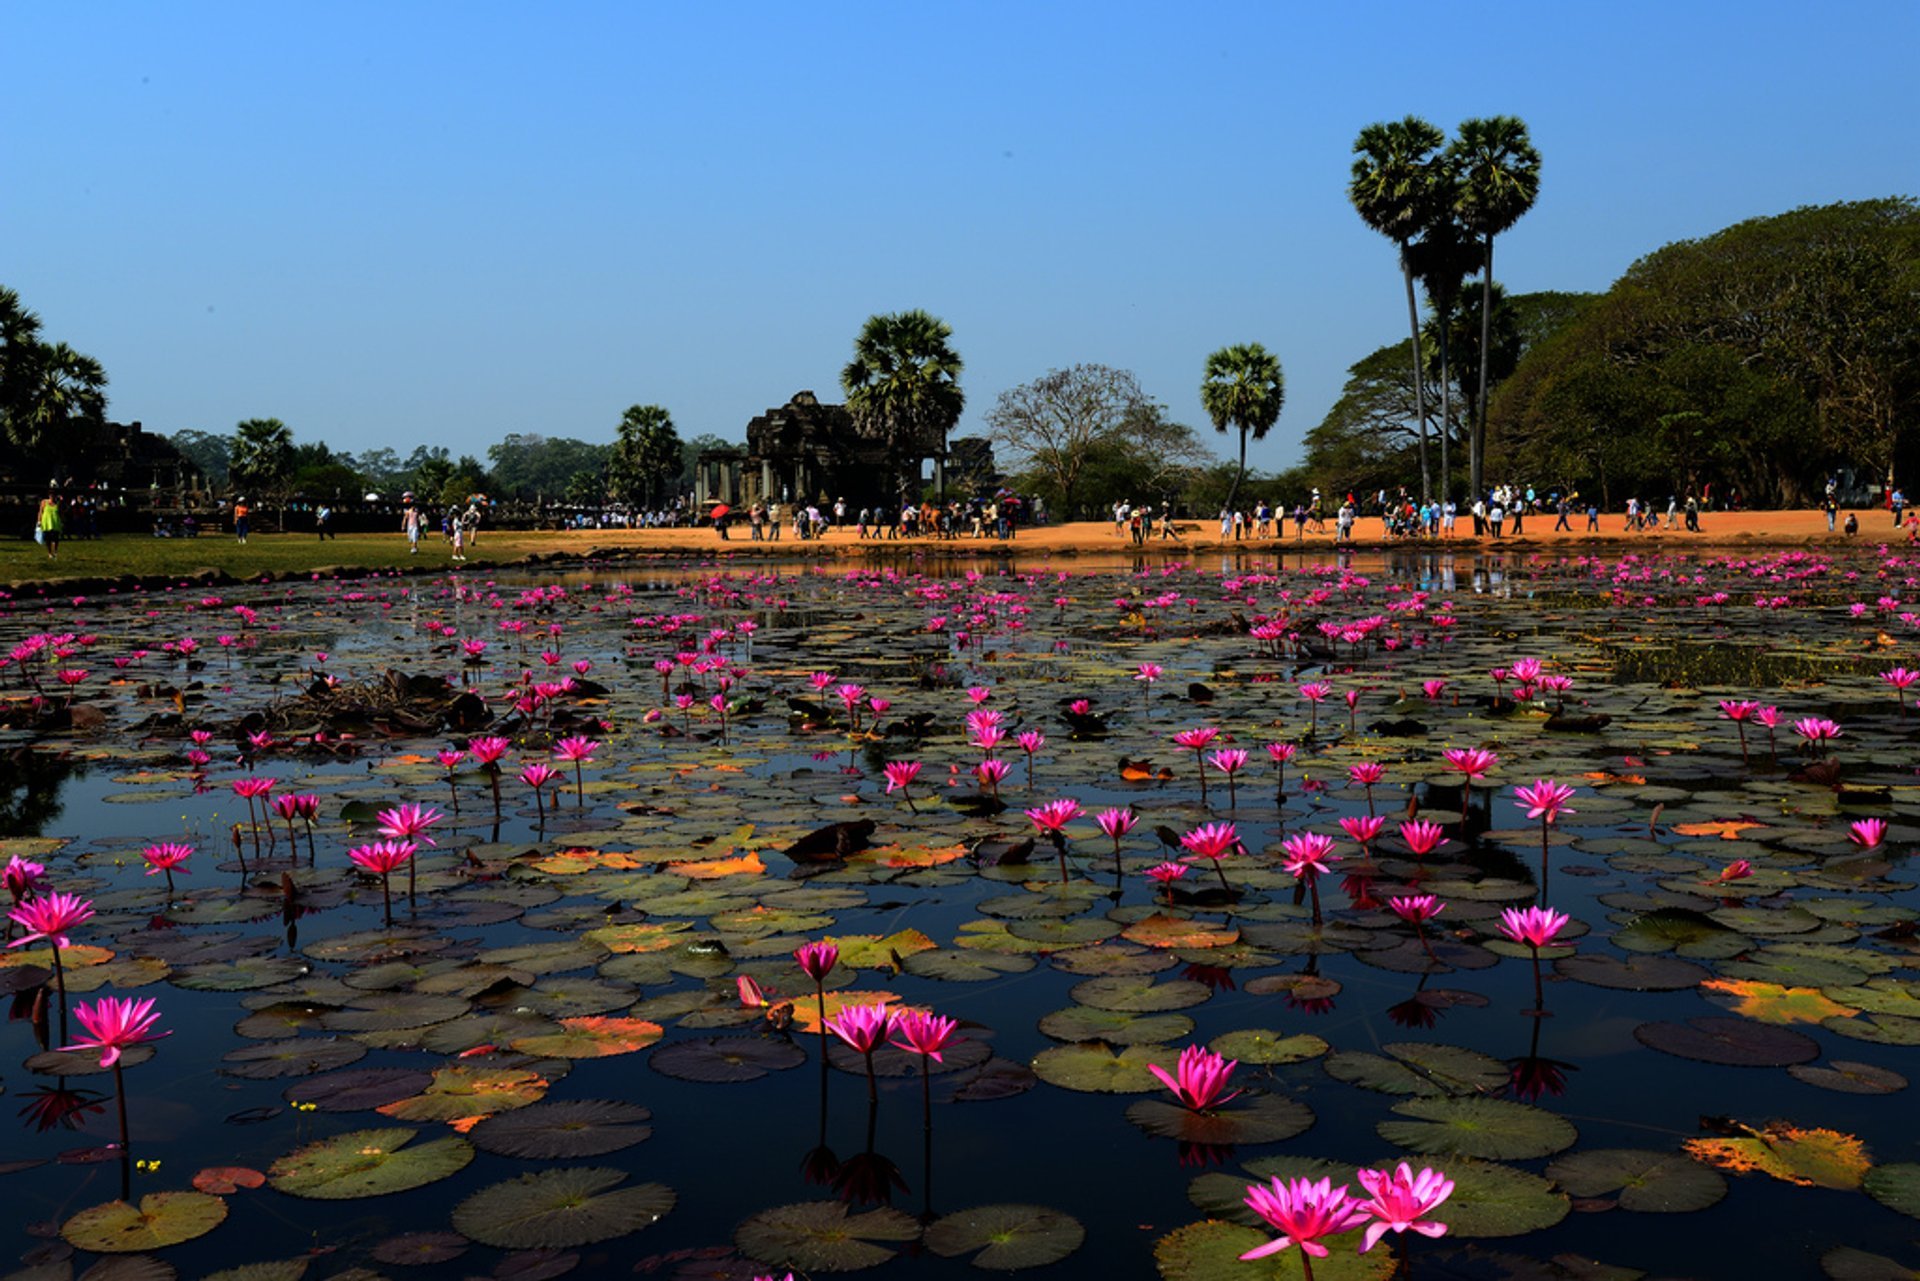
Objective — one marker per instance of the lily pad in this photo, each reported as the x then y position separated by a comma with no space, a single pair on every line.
1135,995
1632,973
1419,1068
1793,1154
1084,1023
1251,1118
1007,1238
1492,1129
1849,1078
1734,1042
1500,1201
1258,1046
296,1056
160,1220
563,1129
822,1236
552,1209
725,1059
1896,1186
368,1163
1211,1250
1096,1069
1652,1182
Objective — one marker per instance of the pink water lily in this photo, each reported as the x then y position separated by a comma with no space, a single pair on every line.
1867,833
1198,1079
1401,1201
114,1025
1534,926
49,917
1422,837
1545,800
1304,1212
923,1032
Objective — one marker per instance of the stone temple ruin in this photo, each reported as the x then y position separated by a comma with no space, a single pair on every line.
804,451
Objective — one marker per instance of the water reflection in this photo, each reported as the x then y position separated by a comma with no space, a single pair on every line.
30,785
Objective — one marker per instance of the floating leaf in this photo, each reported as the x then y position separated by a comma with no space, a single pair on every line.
461,1095
591,1038
1211,1250
366,1163
563,1130
160,1220
1771,1003
358,1090
1140,995
957,966
1653,1182
414,1249
1008,1238
1896,1186
1808,1157
1500,1201
1082,1023
1096,1069
299,1056
1844,1263
1419,1068
225,1179
1492,1129
873,951
1850,1078
1251,1118
821,1236
1631,973
1259,1046
726,1059
558,1208
1161,930
1734,1042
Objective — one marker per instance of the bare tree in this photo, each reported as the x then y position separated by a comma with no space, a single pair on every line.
1054,425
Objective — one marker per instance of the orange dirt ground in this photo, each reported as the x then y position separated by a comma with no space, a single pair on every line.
1719,531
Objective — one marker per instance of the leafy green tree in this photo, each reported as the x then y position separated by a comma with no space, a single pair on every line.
1499,172
261,455
903,384
1243,388
205,451
1443,258
381,469
585,489
1395,188
646,455
534,466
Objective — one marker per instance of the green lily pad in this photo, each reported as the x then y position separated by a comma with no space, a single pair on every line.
297,1056
1419,1068
1895,1186
1849,1078
1260,1046
160,1220
1007,1238
565,1129
1139,995
558,1209
822,1236
1492,1129
1731,1041
954,965
1251,1118
1084,1023
1094,1068
1211,1250
1652,1182
1632,973
1844,1263
366,1163
1500,1201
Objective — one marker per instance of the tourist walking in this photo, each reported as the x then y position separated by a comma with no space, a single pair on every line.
48,525
240,513
410,525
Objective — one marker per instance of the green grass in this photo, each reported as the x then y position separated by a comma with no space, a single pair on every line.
264,553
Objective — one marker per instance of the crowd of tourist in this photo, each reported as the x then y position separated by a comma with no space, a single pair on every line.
995,516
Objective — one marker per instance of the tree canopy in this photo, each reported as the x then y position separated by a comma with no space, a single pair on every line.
1759,358
903,383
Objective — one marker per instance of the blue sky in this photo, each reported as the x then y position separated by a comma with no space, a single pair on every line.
391,224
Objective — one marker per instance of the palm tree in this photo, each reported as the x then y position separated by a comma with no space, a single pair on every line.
903,384
646,454
1443,258
1393,192
57,389
1243,387
1499,181
262,453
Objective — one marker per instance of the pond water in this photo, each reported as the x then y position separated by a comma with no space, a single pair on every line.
544,1065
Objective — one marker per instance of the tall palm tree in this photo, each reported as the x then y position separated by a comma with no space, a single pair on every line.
1393,189
57,389
1244,388
903,384
262,453
646,454
1443,258
1499,181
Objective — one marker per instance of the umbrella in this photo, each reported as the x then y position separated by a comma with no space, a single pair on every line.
719,510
